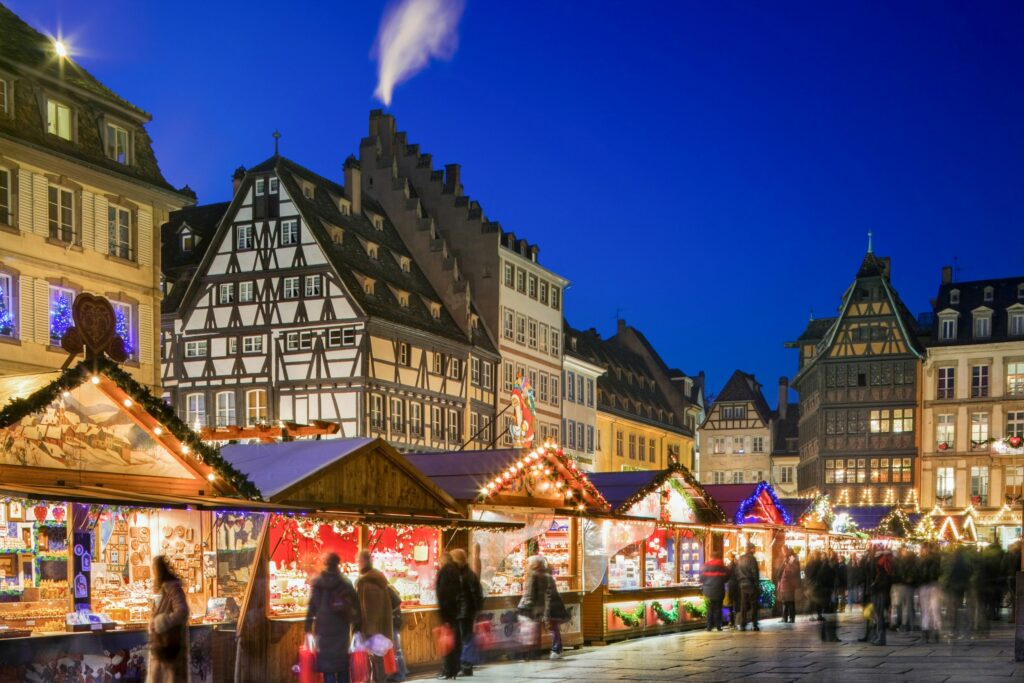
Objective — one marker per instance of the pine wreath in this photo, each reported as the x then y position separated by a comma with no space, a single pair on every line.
665,616
631,619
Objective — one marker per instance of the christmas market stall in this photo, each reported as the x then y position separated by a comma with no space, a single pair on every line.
98,477
362,495
544,492
650,585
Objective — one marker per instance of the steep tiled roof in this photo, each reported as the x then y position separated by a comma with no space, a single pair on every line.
785,429
1006,292
179,265
816,330
744,386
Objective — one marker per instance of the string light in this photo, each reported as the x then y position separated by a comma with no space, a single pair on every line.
128,403
158,430
95,379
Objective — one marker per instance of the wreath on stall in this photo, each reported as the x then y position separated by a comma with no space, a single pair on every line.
697,609
665,616
633,618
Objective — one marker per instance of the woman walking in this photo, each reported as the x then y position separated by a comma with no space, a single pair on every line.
789,587
332,609
542,604
168,628
376,606
459,598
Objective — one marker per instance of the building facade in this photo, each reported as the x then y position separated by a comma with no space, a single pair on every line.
307,307
579,402
80,194
973,402
519,300
737,434
785,443
858,386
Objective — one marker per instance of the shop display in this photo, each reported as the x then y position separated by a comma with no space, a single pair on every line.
691,559
554,541
297,551
408,557
661,559
624,568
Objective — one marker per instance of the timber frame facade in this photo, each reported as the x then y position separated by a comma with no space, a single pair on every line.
859,384
305,306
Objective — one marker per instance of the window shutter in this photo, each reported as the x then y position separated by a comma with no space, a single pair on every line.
144,232
42,311
88,214
95,211
26,310
39,207
145,333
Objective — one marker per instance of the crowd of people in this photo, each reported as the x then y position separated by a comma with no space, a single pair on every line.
952,592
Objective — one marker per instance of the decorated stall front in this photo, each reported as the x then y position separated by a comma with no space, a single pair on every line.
544,492
98,477
363,495
654,549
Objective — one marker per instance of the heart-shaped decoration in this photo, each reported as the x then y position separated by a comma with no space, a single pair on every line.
94,319
40,511
72,341
116,350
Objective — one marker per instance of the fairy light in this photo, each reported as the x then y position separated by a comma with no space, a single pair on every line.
158,430
66,394
185,449
95,379
128,403
211,477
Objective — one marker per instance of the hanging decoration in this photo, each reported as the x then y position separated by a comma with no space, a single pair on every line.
632,618
681,481
667,617
763,507
524,408
558,470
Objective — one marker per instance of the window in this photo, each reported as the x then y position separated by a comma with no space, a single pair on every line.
954,297
376,411
786,474
60,312
291,288
570,387
531,333
59,119
556,298
979,430
1015,423
272,186
979,485
757,444
6,215
119,232
299,341
719,445
225,403
404,357
245,237
543,347
1015,378
124,325
570,433
542,389
718,477
880,421
415,418
982,325
62,214
739,445
947,328
438,363
5,97
372,250
946,383
590,439
246,292
520,280
1015,319
945,431
544,292
289,232
488,375
979,381
727,412
580,431
944,483
454,428
435,423
590,393
520,329
8,315
988,294
737,477
579,389
314,285
510,376
618,443
454,368
397,415
509,324
1014,482
642,447
232,346
196,349
188,240
555,343
226,293
632,446
474,371
261,185
252,344
532,288
554,390
118,143
195,410
509,274
902,420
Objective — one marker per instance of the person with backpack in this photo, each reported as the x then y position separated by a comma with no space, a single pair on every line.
332,609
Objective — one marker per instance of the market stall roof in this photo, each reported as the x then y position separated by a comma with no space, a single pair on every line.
103,495
623,489
750,504
364,476
868,517
496,475
95,423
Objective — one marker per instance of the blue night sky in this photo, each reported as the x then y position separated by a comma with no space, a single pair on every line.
710,169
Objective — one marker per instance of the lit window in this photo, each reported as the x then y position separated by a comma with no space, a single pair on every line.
119,233
979,485
58,119
944,484
255,407
245,237
246,292
60,313
124,326
880,421
118,143
226,409
979,430
62,214
902,420
1015,423
1014,482
7,306
195,410
313,285
945,431
1015,378
289,232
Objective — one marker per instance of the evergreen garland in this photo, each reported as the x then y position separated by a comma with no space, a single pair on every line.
18,408
665,616
697,609
631,619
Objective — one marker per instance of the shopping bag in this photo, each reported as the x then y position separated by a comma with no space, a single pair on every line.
528,630
307,661
379,645
444,640
483,637
359,667
726,602
390,662
869,612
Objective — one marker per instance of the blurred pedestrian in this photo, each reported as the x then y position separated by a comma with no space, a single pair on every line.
955,581
713,579
750,588
904,580
824,595
402,671
811,568
732,588
542,604
929,593
332,609
881,586
459,599
789,587
168,628
376,605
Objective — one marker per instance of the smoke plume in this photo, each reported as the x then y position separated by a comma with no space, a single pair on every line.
411,32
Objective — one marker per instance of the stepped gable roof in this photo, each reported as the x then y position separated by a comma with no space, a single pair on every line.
29,55
177,264
627,388
744,386
1006,293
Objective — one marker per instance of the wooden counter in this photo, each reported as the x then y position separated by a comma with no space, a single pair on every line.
610,615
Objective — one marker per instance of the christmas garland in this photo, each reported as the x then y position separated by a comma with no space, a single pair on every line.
711,514
665,616
631,619
767,597
70,379
697,609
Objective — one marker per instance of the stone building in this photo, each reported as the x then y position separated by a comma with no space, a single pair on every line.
579,402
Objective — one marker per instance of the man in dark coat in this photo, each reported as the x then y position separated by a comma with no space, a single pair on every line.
750,588
713,580
732,587
881,585
332,608
459,599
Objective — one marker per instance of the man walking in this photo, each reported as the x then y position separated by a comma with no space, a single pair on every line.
713,588
750,588
881,585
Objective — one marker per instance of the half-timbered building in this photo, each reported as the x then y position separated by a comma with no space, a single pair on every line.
858,395
306,307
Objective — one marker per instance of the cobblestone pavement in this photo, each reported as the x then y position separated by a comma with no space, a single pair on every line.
779,652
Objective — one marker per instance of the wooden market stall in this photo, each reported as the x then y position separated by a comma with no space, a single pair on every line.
544,492
652,585
363,495
98,476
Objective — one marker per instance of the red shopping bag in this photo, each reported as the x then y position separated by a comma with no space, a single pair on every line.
359,667
483,638
444,640
307,662
390,662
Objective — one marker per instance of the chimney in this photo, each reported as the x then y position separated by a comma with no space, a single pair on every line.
886,266
236,180
621,326
783,397
453,179
354,185
947,274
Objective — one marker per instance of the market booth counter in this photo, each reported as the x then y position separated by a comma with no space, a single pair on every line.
543,492
98,478
653,550
364,495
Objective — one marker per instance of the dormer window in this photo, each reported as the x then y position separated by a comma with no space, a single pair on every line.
336,235
272,186
435,310
982,324
368,286
406,264
403,299
378,222
188,240
118,143
989,294
60,119
1020,292
371,250
954,297
344,207
261,187
308,191
947,326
